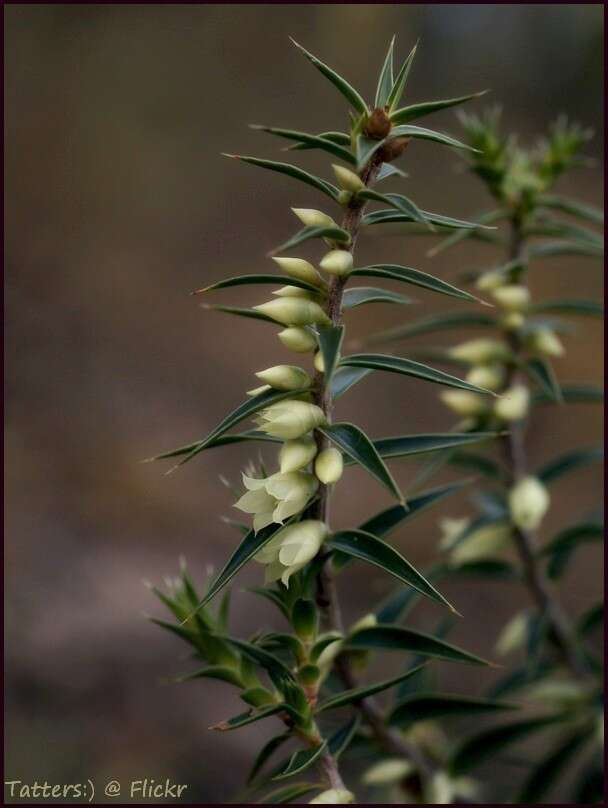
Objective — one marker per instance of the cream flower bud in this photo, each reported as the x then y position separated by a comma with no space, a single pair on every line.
295,454
293,311
290,419
451,530
367,621
319,362
491,280
347,179
329,466
314,218
512,297
327,656
491,376
513,636
387,772
514,403
276,498
513,320
300,269
344,198
480,351
285,377
528,503
486,542
337,262
462,402
546,342
333,796
440,790
294,291
257,390
297,339
291,549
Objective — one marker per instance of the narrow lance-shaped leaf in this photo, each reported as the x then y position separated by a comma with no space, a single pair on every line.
369,548
248,280
396,638
390,216
412,276
355,443
249,717
488,218
301,760
574,394
351,95
330,343
389,170
272,664
360,295
265,754
542,372
220,672
406,445
407,367
570,461
571,206
312,141
345,378
365,147
561,547
401,79
553,249
331,234
546,773
357,694
240,312
291,171
341,138
386,79
425,706
397,201
441,322
414,111
428,134
585,308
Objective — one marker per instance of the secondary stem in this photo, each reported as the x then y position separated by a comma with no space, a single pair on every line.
525,541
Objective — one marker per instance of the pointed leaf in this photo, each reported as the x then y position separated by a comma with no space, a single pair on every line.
351,95
401,80
425,706
248,280
339,741
552,766
570,461
241,312
441,322
355,443
552,249
272,664
561,547
345,378
407,367
366,147
396,638
223,673
332,234
574,394
486,744
249,717
359,295
571,206
291,171
389,170
388,216
385,81
488,218
414,111
428,134
407,445
397,201
265,754
301,760
330,343
367,547
585,308
414,276
542,372
396,604
357,694
341,138
312,141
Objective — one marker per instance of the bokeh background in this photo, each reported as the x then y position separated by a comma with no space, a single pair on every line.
117,205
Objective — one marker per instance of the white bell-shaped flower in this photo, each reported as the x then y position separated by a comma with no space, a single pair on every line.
290,419
291,549
276,498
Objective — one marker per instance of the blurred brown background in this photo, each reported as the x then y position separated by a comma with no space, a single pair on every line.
118,204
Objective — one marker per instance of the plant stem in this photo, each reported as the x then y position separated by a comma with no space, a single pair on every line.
514,449
327,596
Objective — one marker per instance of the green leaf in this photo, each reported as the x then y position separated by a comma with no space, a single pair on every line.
401,80
332,234
241,312
341,738
301,760
585,308
542,372
355,443
181,631
407,445
345,378
385,81
389,170
552,249
330,343
245,410
249,717
341,138
407,367
273,596
272,664
291,171
351,95
414,276
561,547
359,295
488,743
566,230
396,638
248,280
221,672
365,147
476,462
497,570
312,141
390,216
574,394
441,322
396,604
287,794
571,206
570,461
488,218
357,694
386,521
369,548
266,753
552,766
414,111
591,619
397,201
251,544
424,706
428,134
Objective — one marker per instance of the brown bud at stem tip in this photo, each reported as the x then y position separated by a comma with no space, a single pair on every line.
394,148
378,124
